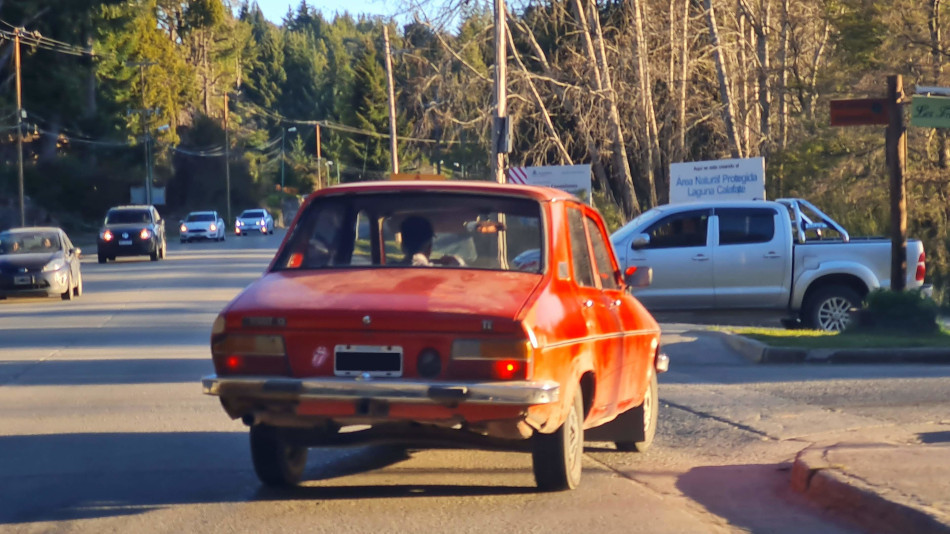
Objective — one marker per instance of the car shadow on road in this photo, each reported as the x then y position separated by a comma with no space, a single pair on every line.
755,498
63,477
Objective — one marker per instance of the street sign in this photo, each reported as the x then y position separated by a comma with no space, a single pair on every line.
930,111
860,112
403,176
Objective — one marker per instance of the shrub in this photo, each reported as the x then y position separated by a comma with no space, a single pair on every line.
897,311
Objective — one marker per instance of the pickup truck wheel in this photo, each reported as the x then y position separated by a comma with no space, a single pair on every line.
829,309
647,414
276,462
557,457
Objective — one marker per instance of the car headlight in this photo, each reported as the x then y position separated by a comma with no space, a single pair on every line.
239,223
54,265
106,235
183,228
263,222
145,234
213,227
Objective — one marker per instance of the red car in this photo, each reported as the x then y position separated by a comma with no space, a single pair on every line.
433,313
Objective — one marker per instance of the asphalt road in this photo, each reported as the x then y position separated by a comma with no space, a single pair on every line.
103,427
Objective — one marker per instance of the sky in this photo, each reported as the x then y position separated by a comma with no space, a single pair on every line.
274,10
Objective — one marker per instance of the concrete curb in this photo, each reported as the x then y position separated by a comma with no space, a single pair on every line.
831,487
758,352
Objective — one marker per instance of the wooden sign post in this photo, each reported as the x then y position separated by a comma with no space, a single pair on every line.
886,111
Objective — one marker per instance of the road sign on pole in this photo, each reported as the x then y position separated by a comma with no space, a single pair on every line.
860,112
930,111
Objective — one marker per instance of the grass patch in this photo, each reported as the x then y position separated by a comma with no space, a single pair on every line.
816,339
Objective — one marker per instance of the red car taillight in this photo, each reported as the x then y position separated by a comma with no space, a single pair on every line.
501,359
249,354
921,267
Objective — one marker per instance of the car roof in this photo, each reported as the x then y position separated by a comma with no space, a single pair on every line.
202,212
26,229
132,207
539,193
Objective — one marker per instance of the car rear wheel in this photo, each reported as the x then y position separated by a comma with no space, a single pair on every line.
647,415
102,258
557,457
276,462
829,308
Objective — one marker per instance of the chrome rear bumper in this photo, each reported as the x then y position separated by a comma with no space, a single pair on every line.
519,393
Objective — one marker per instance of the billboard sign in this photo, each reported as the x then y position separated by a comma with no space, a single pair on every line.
574,179
723,179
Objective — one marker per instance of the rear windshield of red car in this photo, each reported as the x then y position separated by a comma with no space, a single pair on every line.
417,229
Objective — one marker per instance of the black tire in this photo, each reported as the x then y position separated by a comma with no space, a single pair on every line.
647,414
102,258
556,458
162,251
276,462
77,291
68,294
829,308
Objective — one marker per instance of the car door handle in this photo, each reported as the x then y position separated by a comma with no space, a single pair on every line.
700,257
772,255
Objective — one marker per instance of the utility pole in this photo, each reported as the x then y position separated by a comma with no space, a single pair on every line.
499,126
320,160
394,157
227,162
148,136
283,131
19,125
896,148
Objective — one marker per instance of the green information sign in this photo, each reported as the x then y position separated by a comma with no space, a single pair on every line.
930,111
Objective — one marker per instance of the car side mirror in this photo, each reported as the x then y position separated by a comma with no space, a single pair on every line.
76,251
640,241
635,276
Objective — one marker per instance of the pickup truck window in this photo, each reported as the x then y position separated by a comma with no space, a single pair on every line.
745,225
605,269
580,254
687,229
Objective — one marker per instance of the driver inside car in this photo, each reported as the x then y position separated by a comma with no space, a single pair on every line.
417,235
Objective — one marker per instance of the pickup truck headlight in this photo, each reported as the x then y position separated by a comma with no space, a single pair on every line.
145,234
183,228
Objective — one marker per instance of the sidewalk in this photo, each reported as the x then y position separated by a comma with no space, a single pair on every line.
758,352
884,486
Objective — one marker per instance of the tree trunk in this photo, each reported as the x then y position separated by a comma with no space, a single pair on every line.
680,154
621,165
933,24
652,146
765,89
728,114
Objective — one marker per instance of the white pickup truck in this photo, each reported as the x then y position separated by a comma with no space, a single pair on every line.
781,255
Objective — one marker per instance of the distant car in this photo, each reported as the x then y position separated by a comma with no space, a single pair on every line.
132,231
39,261
202,225
255,220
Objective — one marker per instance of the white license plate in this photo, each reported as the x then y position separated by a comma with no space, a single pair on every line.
23,280
372,360
125,242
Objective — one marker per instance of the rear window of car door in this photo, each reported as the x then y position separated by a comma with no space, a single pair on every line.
605,268
739,226
580,253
